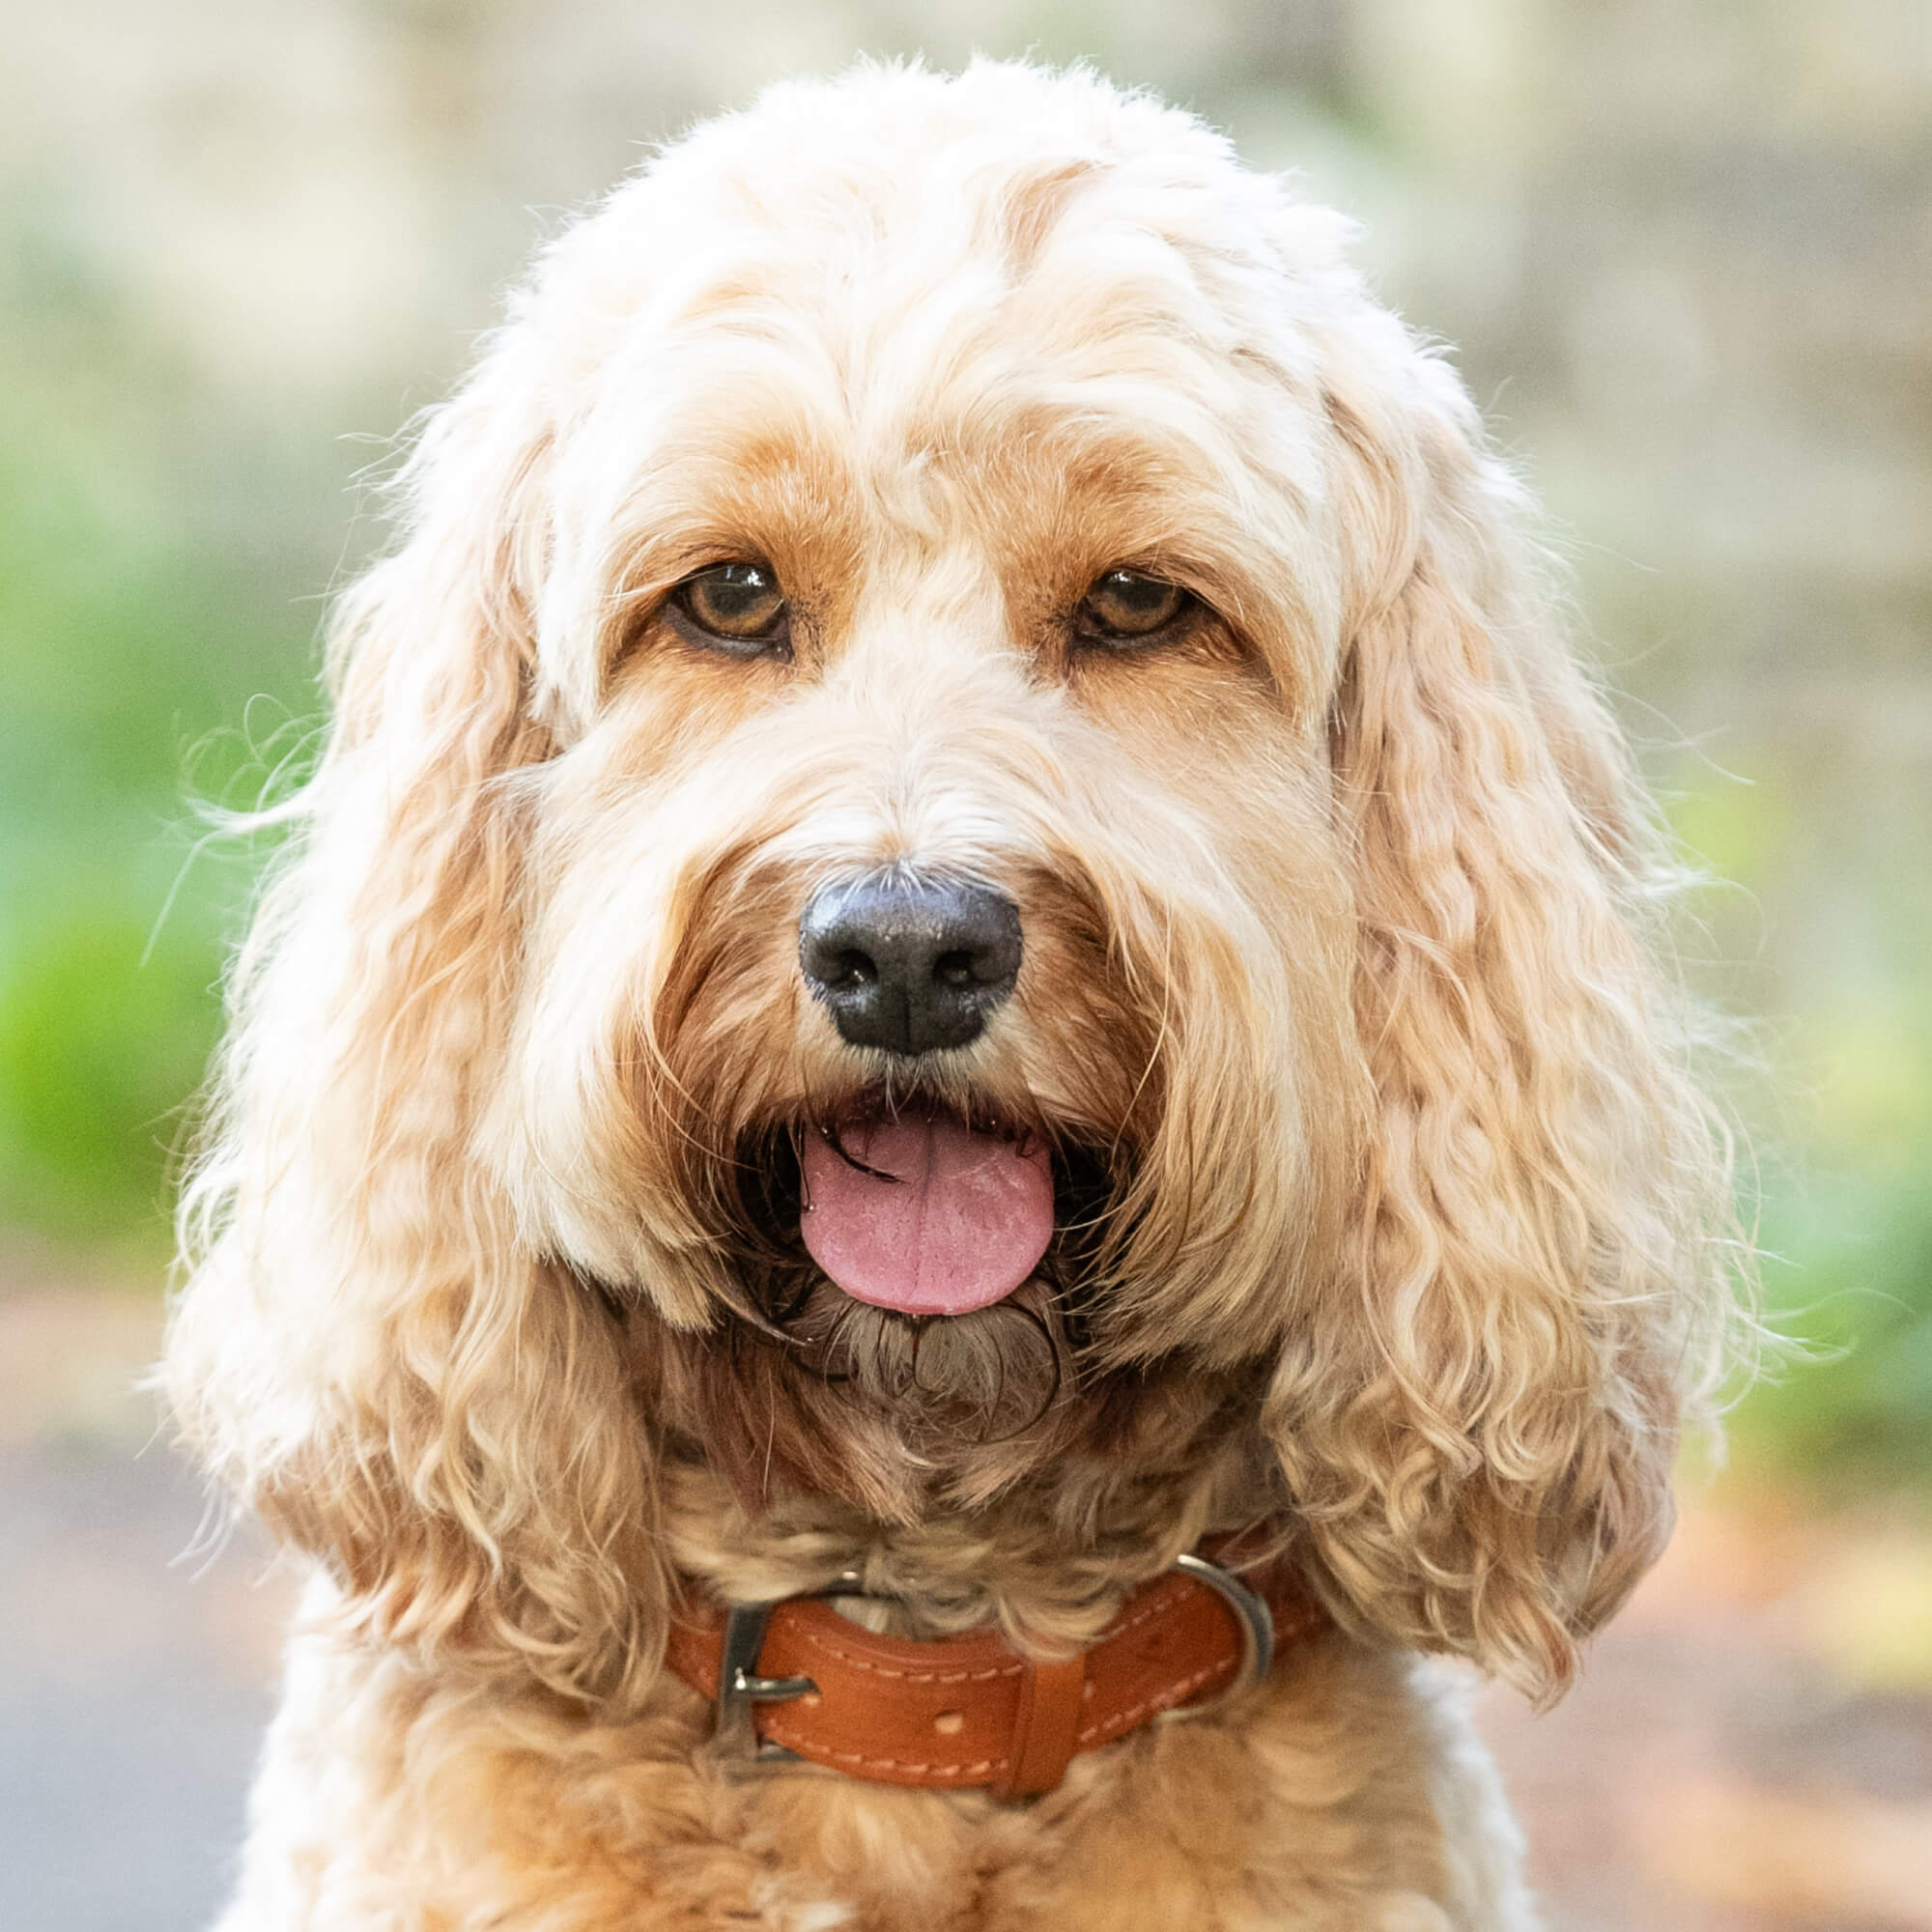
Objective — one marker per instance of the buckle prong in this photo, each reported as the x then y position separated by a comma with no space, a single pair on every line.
734,1735
734,1732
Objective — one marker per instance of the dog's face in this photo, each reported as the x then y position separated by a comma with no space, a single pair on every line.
943,654
959,823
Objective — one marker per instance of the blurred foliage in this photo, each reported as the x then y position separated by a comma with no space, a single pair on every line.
100,1039
126,653
1859,1292
1687,261
1849,1279
1815,928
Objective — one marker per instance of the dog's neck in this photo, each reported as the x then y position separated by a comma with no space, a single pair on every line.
1052,1561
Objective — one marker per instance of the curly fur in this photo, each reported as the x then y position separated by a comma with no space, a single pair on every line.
1392,1214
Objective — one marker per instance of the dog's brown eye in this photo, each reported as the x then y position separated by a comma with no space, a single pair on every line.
740,605
1123,604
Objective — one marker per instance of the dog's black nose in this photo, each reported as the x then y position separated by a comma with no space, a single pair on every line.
907,965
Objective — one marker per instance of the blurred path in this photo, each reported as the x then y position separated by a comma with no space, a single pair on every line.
1751,1747
133,1684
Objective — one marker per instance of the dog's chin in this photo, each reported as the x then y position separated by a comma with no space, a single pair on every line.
980,1377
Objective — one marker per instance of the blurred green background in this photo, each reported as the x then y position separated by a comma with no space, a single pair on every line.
1683,248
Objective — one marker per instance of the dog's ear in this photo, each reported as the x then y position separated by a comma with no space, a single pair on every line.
364,1350
1479,1421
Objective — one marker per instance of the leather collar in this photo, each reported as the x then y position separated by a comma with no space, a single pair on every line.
795,1679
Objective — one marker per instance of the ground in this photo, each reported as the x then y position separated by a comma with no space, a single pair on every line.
1751,1747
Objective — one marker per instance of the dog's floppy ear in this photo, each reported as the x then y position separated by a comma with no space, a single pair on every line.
364,1349
1479,1423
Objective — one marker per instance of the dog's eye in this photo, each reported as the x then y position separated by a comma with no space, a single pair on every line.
1123,604
740,605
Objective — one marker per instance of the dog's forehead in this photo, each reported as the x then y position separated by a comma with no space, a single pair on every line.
919,265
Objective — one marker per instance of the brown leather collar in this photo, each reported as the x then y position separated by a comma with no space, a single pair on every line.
954,1712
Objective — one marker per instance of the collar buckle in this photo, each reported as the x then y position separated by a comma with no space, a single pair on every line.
734,1731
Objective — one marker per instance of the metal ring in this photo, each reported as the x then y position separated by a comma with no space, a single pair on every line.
1252,1618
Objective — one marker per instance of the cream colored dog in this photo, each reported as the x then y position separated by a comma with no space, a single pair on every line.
962,923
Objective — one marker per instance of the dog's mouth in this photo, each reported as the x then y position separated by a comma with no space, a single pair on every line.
925,1211
938,1261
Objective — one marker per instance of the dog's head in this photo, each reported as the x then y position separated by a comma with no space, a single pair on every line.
956,844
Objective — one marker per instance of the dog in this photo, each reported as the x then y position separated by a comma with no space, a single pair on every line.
960,1118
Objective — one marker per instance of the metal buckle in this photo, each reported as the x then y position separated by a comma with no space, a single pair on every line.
734,1732
1255,1623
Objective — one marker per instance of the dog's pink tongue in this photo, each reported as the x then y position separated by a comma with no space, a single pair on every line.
963,1221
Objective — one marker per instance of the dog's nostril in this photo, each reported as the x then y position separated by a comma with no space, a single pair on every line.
856,967
906,964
